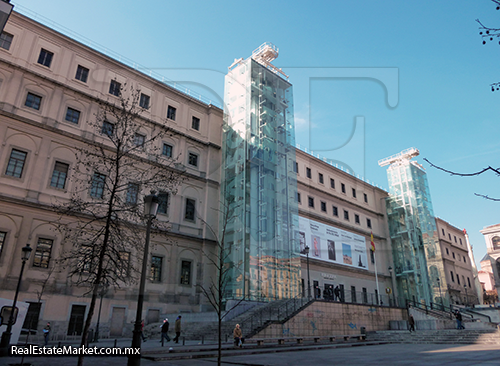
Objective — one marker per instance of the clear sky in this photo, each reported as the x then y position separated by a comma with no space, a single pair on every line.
415,73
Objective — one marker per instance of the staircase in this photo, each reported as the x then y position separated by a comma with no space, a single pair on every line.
447,336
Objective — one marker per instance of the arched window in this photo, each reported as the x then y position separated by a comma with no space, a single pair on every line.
496,242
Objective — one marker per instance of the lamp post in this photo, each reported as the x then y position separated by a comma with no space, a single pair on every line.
150,209
5,10
440,296
466,297
5,342
392,284
306,250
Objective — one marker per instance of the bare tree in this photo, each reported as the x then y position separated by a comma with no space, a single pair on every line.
489,34
489,168
103,220
220,259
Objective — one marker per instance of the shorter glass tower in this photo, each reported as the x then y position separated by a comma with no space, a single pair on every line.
412,227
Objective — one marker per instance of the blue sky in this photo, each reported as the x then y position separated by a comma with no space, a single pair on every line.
336,54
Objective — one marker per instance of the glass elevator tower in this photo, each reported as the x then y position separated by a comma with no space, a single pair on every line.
259,183
412,226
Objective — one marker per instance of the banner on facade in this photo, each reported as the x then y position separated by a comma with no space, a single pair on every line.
331,244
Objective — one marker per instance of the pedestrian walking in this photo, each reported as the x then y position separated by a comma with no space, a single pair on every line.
177,328
46,333
411,322
144,339
238,336
164,331
337,293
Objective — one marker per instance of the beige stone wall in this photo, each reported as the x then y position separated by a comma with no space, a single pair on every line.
327,318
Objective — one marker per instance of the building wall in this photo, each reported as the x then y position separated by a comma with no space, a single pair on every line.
367,203
491,262
457,265
46,136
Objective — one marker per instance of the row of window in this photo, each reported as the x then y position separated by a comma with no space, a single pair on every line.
458,279
43,250
453,254
449,237
335,210
321,180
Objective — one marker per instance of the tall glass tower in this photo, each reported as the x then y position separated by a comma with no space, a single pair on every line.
412,226
259,182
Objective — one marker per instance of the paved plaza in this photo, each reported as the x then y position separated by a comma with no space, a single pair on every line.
386,354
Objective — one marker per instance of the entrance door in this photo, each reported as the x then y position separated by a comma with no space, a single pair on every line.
76,320
117,321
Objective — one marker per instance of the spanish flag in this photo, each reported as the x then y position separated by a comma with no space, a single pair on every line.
373,243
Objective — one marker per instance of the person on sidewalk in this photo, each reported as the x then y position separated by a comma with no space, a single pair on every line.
238,335
411,322
164,331
144,339
177,329
458,315
46,333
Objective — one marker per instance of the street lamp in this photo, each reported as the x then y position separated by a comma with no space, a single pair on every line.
5,342
150,209
5,10
440,296
392,283
466,297
306,250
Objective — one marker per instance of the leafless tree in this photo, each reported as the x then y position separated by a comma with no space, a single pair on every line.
489,34
474,174
103,223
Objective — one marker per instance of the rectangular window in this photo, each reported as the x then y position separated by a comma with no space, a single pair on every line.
16,163
308,173
163,203
320,178
185,273
310,201
323,206
108,128
32,316
171,112
72,115
115,88
45,57
97,186
365,197
454,237
167,150
193,159
42,253
442,230
295,167
354,193
144,101
449,236
195,123
298,197
82,73
132,194
332,183
458,279
468,281
156,267
342,186
335,211
460,241
33,101
372,256
59,175
447,251
464,259
369,223
6,40
139,139
346,215
453,255
3,236
87,258
365,296
124,264
189,213
356,218
353,293
452,277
